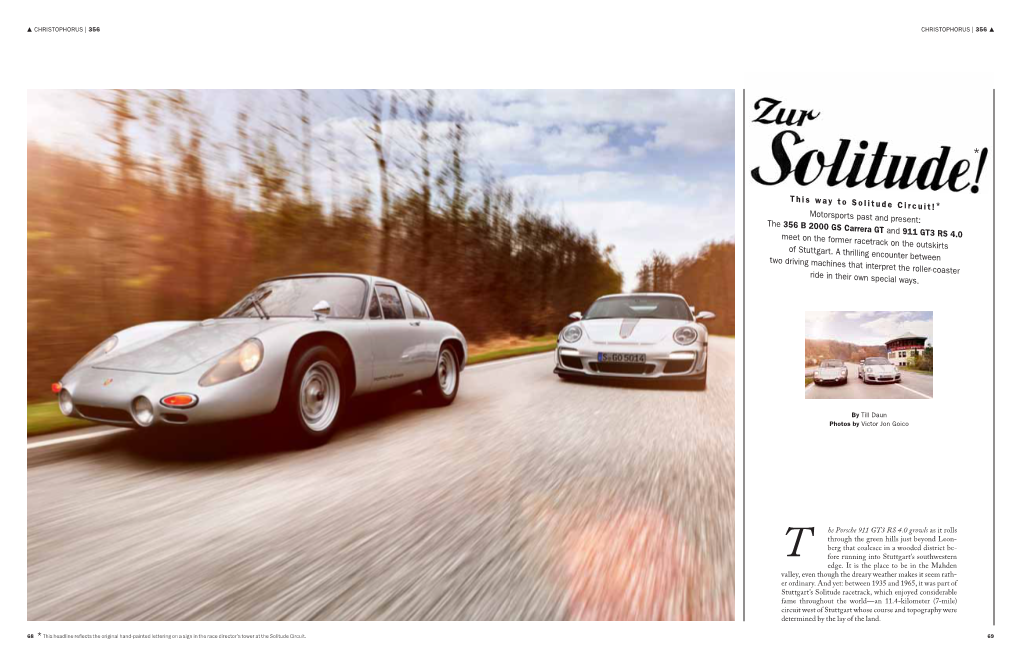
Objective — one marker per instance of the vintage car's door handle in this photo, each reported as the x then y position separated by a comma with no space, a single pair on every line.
416,324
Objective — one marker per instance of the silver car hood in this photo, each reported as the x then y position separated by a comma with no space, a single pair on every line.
645,331
188,347
831,372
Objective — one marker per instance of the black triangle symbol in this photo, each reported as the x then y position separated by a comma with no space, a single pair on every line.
991,29
29,29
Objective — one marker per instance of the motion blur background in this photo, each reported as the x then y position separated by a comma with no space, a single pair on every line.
495,206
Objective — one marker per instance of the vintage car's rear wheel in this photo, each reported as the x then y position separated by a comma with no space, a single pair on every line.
314,396
442,388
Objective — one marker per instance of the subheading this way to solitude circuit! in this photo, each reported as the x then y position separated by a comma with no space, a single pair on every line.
529,498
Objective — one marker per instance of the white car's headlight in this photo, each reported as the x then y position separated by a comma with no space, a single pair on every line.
685,335
242,360
98,351
572,334
869,370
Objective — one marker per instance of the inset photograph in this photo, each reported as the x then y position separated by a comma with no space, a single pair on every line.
864,355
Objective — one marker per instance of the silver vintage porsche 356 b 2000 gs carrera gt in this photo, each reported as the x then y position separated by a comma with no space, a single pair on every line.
637,336
300,347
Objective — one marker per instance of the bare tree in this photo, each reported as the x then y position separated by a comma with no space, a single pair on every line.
377,104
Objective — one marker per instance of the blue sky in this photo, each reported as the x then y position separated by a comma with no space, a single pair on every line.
644,169
867,327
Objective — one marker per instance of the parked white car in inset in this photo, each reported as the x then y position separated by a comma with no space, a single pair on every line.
878,370
830,371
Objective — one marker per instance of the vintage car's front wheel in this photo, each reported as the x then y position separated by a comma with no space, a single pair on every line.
314,396
442,388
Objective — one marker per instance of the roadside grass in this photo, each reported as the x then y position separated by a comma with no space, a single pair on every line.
45,418
807,381
493,355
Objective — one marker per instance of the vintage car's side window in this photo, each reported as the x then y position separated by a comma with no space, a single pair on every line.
418,308
374,310
389,298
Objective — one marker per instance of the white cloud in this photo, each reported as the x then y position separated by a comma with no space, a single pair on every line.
894,324
695,120
603,182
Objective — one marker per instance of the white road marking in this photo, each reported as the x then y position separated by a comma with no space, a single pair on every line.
913,391
116,430
810,385
78,437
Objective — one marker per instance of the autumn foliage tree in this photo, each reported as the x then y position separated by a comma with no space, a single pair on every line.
707,280
179,217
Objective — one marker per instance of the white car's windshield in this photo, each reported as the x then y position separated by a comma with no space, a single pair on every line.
876,361
296,297
639,306
832,364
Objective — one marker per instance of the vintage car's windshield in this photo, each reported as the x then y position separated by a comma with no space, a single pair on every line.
876,361
639,306
832,363
296,297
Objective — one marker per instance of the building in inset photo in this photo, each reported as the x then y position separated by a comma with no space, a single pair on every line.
906,347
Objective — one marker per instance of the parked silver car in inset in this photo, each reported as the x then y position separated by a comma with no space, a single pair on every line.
636,336
830,371
300,347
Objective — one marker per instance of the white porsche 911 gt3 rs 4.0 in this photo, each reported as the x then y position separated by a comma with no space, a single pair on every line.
636,336
879,370
300,346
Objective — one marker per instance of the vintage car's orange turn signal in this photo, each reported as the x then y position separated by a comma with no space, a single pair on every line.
179,400
56,387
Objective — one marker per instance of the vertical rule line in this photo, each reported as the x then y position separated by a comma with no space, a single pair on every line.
743,343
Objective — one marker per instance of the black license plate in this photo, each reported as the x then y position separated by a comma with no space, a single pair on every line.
617,357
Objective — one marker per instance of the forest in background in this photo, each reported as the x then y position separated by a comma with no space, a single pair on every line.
817,350
707,280
177,220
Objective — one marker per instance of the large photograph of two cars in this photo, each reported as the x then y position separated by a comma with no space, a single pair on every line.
297,348
639,336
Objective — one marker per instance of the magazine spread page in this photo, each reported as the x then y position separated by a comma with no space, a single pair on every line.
494,313
878,232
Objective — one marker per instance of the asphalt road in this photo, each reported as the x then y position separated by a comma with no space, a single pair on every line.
529,498
912,386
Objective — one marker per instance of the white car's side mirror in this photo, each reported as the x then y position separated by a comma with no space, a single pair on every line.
321,309
576,316
704,315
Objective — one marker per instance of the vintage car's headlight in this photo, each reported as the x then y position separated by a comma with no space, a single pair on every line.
685,335
100,350
65,403
141,409
242,360
572,334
